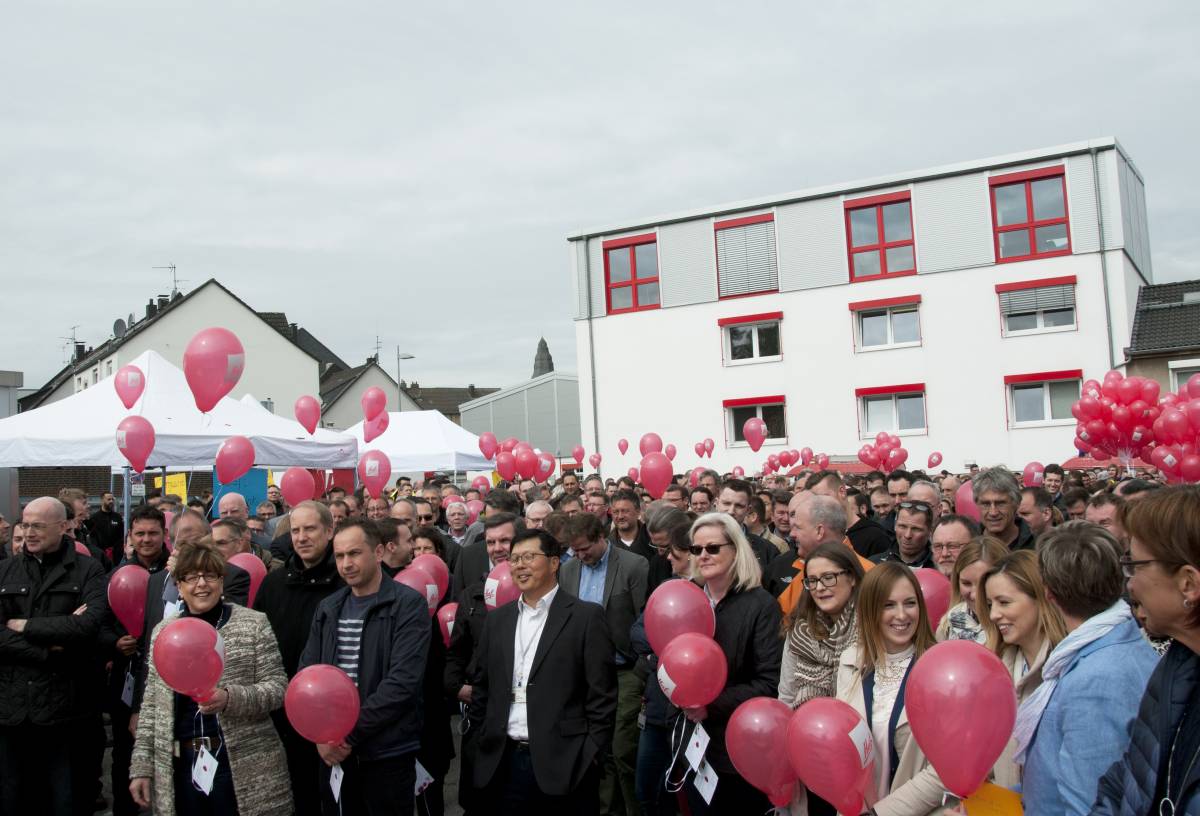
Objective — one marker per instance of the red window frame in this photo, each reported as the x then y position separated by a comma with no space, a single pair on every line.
903,389
878,203
1027,178
748,402
1039,377
629,245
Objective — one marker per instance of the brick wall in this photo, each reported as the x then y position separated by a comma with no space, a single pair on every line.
47,481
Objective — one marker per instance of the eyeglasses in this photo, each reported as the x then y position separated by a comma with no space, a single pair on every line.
525,558
1129,565
197,577
827,579
915,505
711,549
948,548
38,526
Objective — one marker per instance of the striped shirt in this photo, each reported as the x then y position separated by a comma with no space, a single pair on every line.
349,634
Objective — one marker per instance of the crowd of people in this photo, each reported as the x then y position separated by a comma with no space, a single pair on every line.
1086,588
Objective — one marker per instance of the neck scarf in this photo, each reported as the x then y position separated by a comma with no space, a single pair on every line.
817,660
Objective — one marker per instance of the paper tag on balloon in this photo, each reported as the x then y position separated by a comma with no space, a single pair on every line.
860,735
665,682
696,747
706,781
335,781
431,594
424,780
133,378
234,364
372,468
450,627
127,691
489,592
204,771
121,440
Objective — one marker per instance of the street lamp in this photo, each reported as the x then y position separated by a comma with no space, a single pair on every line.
399,390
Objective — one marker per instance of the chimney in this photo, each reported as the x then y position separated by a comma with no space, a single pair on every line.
151,309
80,353
163,300
471,390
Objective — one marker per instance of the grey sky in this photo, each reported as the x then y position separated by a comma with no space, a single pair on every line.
415,168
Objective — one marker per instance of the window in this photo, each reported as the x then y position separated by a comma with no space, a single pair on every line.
1029,214
746,261
879,232
631,273
887,323
1043,398
892,408
95,375
751,338
1182,371
108,369
1029,307
770,410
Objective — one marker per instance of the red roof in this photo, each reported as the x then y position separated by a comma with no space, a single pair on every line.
840,467
1088,463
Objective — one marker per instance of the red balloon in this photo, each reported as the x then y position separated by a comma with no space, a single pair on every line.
482,483
436,568
474,508
127,597
692,670
296,485
451,499
235,457
445,617
935,459
709,445
896,457
374,470
698,448
522,446
374,428
773,459
527,462
650,443
669,451
656,474
374,402
509,444
1192,386
254,566
632,473
578,453
1033,474
81,549
936,589
833,753
755,432
426,586
545,467
964,501
488,444
675,608
595,459
135,440
738,471
499,588
822,461
189,657
752,738
322,703
506,466
943,697
694,476
213,363
1189,468
308,412
129,382
622,445
806,455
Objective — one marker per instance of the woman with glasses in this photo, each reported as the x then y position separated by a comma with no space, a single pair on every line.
960,621
893,633
817,631
1021,627
1160,770
233,724
748,620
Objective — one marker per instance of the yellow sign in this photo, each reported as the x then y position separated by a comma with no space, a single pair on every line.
176,485
993,800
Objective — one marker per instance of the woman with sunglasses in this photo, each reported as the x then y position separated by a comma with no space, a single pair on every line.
893,633
960,621
1021,627
1160,770
233,724
748,620
817,631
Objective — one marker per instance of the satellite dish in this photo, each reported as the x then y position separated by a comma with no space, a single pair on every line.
119,328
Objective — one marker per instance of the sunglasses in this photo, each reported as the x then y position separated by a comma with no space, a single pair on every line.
711,549
916,505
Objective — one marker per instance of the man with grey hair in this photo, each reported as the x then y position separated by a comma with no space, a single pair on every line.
457,520
813,520
927,492
914,523
997,495
535,514
233,505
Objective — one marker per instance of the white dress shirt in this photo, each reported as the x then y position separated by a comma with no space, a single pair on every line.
531,620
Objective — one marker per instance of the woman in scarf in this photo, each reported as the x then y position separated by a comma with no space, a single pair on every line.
960,621
817,630
1021,627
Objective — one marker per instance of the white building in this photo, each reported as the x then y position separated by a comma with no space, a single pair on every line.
341,394
959,308
543,411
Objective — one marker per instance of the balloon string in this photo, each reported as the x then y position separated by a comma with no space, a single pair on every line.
678,744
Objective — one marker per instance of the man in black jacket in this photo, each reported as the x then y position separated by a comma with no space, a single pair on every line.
544,696
377,631
52,604
289,597
914,522
628,532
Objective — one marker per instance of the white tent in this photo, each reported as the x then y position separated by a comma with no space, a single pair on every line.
417,441
81,429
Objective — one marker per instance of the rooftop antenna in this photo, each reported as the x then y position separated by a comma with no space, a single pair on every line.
175,280
69,346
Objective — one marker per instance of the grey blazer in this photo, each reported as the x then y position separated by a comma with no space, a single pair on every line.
624,593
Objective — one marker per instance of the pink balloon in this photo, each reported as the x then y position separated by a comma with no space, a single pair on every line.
509,444
189,657
1189,468
578,453
896,458
670,452
832,751
694,476
622,445
374,428
474,508
755,432
964,501
506,466
81,549
130,382
213,363
522,446
426,586
594,460
499,588
235,457
436,569
632,473
756,730
935,459
482,483
656,474
738,471
806,455
127,597
445,617
773,459
322,704
1192,386
545,467
135,440
308,412
692,670
698,448
374,470
650,443
675,608
254,566
936,589
709,446
451,499
374,402
297,485
488,444
527,462
943,697
1033,474
821,460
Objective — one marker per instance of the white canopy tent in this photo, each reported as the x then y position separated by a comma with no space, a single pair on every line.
418,441
81,429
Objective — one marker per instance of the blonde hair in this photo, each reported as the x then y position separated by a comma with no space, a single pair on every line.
747,574
980,548
872,597
1021,567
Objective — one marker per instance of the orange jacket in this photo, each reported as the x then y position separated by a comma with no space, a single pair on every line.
791,596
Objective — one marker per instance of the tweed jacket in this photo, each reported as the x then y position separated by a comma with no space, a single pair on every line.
254,678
